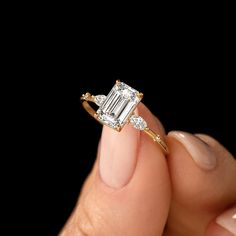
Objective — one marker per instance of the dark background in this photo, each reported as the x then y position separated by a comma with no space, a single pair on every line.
185,71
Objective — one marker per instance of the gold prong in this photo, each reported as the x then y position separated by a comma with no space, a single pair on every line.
92,98
118,128
88,97
83,97
140,95
118,82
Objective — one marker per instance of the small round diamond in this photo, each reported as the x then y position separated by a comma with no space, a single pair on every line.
138,122
157,138
99,99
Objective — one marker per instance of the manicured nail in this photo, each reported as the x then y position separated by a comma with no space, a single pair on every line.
227,220
118,155
198,149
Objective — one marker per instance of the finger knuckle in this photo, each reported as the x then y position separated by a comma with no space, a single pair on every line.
84,222
90,221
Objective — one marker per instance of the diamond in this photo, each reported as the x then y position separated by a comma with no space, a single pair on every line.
86,96
119,104
138,122
157,138
99,99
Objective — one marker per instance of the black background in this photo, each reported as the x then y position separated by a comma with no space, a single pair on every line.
186,76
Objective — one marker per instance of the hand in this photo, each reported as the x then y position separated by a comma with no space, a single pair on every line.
134,189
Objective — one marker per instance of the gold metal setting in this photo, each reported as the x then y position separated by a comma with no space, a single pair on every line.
86,98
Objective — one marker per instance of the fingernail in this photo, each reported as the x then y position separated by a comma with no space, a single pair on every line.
227,220
118,155
200,152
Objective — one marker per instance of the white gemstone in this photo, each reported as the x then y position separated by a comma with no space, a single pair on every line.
157,138
118,105
138,122
99,99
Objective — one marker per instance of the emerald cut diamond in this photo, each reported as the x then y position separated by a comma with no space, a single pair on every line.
118,106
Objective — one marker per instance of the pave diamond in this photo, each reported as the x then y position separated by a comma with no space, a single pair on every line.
158,138
138,122
99,99
118,105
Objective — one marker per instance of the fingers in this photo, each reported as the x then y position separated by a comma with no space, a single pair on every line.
203,177
128,192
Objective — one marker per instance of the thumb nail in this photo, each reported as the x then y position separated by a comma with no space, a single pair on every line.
227,220
118,155
200,152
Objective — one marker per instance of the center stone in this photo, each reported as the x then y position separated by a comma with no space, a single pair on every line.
118,106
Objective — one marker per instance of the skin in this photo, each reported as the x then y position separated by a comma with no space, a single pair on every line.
165,195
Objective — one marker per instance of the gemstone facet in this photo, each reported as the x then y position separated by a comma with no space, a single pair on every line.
119,104
138,122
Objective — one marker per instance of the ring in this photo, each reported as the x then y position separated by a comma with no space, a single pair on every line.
117,109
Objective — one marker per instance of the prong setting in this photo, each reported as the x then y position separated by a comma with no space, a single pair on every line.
140,95
119,105
117,109
118,82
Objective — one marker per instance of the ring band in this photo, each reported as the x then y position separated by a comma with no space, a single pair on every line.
117,109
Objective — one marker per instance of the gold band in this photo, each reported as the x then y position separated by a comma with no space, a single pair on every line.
86,98
157,138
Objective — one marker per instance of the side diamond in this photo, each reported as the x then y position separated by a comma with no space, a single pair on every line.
157,138
99,99
138,122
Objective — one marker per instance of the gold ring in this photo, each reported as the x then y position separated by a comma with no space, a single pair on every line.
117,109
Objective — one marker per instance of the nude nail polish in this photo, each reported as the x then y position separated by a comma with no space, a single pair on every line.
118,155
227,220
200,152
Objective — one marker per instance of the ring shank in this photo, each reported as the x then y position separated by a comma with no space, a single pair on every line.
88,108
157,138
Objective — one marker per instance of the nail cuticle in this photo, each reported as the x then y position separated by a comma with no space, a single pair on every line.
201,153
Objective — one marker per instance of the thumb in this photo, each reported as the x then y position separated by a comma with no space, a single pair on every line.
128,192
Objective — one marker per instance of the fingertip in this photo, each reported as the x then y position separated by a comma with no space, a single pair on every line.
145,198
200,193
